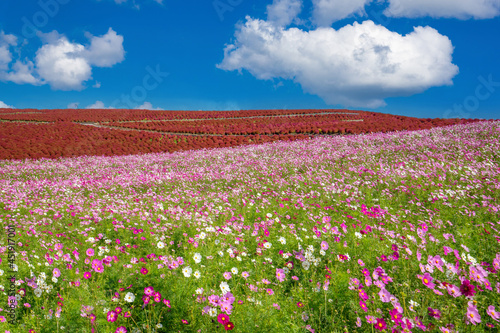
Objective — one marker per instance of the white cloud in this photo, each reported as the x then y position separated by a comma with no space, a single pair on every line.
62,64
5,106
461,9
98,105
105,51
325,12
6,41
73,105
22,73
358,65
283,12
146,106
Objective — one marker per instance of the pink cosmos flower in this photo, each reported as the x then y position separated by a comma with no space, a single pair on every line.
226,307
453,290
434,312
385,296
427,281
56,272
90,252
228,297
493,314
166,302
227,275
324,245
87,275
363,306
363,295
270,291
149,291
121,329
280,274
473,316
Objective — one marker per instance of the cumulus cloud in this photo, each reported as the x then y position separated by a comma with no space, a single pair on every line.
283,12
461,9
325,12
147,106
105,51
6,41
62,64
5,106
21,73
358,65
98,105
73,105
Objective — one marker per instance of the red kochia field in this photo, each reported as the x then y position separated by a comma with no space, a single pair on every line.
31,133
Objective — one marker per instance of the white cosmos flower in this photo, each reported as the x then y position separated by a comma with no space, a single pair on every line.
282,240
197,274
197,258
160,245
203,235
212,312
187,271
306,265
129,297
234,270
267,245
224,287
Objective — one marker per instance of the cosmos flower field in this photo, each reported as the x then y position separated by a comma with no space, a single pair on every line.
392,232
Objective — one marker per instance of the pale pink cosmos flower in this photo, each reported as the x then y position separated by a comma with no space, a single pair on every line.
472,315
493,314
385,296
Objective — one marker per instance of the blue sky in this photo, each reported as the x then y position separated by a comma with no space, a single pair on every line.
422,58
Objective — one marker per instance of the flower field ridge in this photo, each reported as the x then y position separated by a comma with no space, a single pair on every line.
390,232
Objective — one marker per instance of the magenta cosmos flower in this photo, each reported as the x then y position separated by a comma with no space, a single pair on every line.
87,275
121,329
223,318
111,316
90,252
380,324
